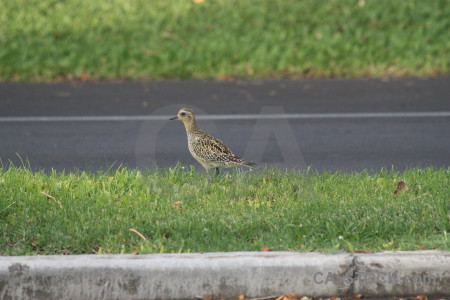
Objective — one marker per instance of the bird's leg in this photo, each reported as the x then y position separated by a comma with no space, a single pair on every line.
209,175
216,173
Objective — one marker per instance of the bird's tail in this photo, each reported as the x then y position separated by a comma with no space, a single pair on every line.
248,163
239,161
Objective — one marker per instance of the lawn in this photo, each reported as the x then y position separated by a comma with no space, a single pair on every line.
49,40
178,210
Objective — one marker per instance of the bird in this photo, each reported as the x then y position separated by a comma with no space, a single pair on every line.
209,151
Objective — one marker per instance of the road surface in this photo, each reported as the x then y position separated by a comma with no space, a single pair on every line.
328,124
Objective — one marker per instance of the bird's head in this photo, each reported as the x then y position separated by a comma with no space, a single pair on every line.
185,115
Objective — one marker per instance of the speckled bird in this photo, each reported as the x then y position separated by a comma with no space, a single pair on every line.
209,151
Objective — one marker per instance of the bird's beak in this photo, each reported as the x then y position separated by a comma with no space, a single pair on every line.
174,118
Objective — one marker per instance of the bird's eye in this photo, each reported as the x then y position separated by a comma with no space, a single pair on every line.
183,114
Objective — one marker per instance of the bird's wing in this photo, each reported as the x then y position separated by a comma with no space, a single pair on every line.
214,149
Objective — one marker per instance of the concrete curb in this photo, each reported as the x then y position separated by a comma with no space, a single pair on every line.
255,274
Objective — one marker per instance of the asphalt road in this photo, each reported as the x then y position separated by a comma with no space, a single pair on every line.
93,125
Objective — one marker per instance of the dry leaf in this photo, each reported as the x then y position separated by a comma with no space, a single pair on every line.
53,198
401,187
136,251
84,77
177,204
247,95
421,297
223,77
48,195
212,297
288,297
364,251
138,233
265,249
358,296
388,244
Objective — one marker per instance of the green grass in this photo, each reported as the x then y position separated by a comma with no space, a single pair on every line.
122,39
281,210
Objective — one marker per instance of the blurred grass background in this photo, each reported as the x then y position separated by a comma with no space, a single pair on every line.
121,39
